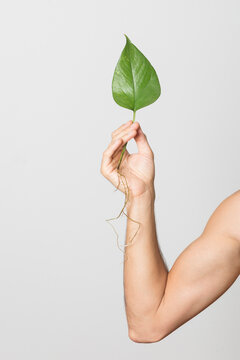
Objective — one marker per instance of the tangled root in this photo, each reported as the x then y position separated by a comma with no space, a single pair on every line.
126,193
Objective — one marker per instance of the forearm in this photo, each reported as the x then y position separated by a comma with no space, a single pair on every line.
201,273
145,273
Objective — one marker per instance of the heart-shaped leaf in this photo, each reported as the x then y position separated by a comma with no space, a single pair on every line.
135,83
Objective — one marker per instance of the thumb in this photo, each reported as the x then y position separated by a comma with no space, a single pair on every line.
142,143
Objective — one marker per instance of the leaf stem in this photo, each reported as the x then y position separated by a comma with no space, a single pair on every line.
124,148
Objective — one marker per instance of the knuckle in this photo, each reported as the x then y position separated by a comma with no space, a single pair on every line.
102,171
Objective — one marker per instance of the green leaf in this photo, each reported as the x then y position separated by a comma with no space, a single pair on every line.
135,83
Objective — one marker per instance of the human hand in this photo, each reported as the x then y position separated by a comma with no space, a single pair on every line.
138,168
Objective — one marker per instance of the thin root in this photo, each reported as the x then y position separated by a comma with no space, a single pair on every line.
126,193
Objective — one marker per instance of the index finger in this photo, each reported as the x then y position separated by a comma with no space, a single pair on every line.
122,127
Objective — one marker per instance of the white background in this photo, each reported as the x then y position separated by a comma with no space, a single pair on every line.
61,287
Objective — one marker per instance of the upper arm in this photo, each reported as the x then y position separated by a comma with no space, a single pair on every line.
203,271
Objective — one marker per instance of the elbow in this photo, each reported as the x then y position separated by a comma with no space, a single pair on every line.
146,336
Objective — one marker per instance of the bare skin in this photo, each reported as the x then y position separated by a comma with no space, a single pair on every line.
158,300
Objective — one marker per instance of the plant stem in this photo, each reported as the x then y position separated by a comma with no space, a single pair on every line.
124,148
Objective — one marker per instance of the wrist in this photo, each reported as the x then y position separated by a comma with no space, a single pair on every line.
147,198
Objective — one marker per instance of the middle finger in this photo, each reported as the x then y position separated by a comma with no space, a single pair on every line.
123,133
122,127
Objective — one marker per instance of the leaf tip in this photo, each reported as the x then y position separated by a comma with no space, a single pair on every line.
127,38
